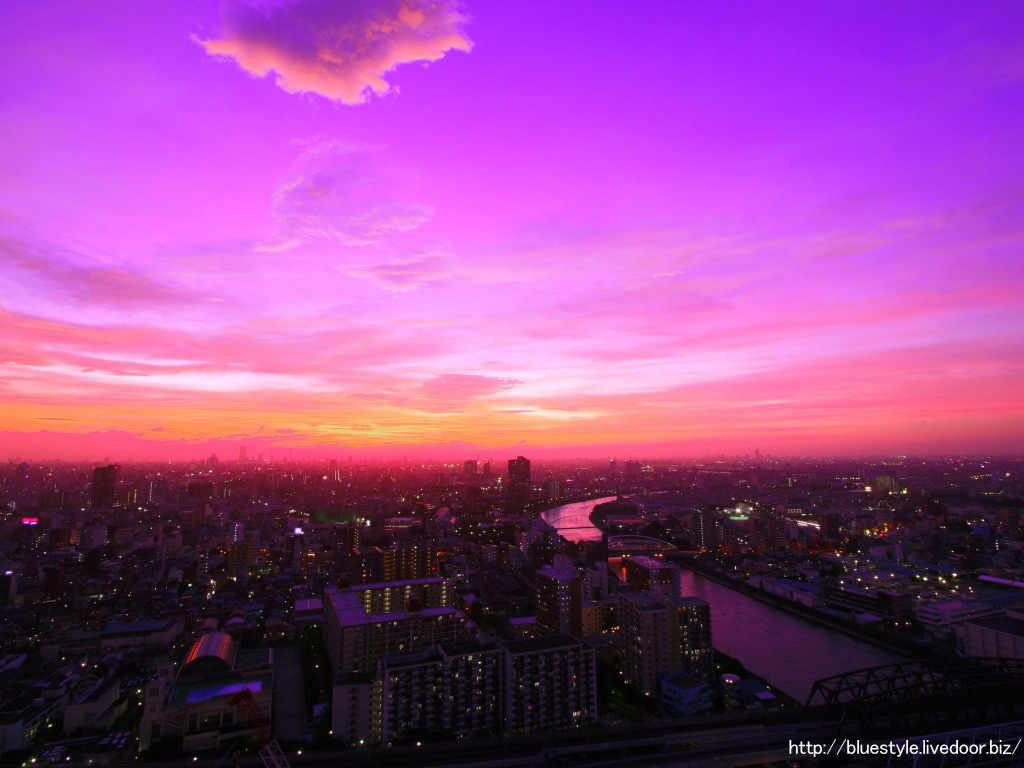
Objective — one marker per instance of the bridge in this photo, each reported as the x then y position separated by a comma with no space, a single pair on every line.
574,523
632,543
927,693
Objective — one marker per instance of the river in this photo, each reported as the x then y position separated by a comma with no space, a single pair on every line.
573,520
787,651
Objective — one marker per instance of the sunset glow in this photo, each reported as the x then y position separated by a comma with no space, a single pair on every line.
410,228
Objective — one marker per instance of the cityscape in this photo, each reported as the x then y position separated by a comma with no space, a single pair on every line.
400,383
205,610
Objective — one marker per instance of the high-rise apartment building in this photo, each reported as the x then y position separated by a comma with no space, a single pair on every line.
645,640
660,637
550,684
355,638
704,531
649,574
559,601
470,688
692,617
394,596
345,539
453,688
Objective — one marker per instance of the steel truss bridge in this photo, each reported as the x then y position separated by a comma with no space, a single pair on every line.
631,543
574,522
930,693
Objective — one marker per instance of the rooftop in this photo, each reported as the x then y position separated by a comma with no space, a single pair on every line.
185,693
547,643
350,611
1006,624
136,628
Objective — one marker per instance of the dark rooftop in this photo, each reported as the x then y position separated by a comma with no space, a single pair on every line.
547,643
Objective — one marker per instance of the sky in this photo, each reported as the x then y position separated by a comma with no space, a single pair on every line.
438,228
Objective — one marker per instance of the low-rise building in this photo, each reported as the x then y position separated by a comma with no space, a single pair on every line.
1001,636
199,703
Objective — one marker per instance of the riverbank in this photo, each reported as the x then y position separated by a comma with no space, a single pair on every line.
726,664
812,616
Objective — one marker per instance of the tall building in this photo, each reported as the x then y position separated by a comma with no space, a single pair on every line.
645,640
408,561
243,453
469,468
661,637
550,684
453,688
104,483
345,540
693,619
355,638
241,558
392,596
520,489
470,687
704,531
649,574
406,696
764,534
559,602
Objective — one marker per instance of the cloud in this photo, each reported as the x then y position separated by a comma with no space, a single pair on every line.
55,268
342,195
403,275
447,393
451,391
339,49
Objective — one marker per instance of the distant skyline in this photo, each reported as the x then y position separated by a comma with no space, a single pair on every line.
442,229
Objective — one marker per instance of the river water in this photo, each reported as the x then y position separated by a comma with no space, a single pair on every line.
787,651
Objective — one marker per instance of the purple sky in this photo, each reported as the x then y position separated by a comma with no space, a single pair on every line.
568,228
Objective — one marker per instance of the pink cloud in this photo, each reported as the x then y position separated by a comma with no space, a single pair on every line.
344,195
83,277
403,275
340,50
446,393
461,387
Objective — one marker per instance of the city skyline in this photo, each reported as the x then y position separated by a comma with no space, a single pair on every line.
461,229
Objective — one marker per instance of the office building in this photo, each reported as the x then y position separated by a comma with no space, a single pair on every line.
519,491
104,485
